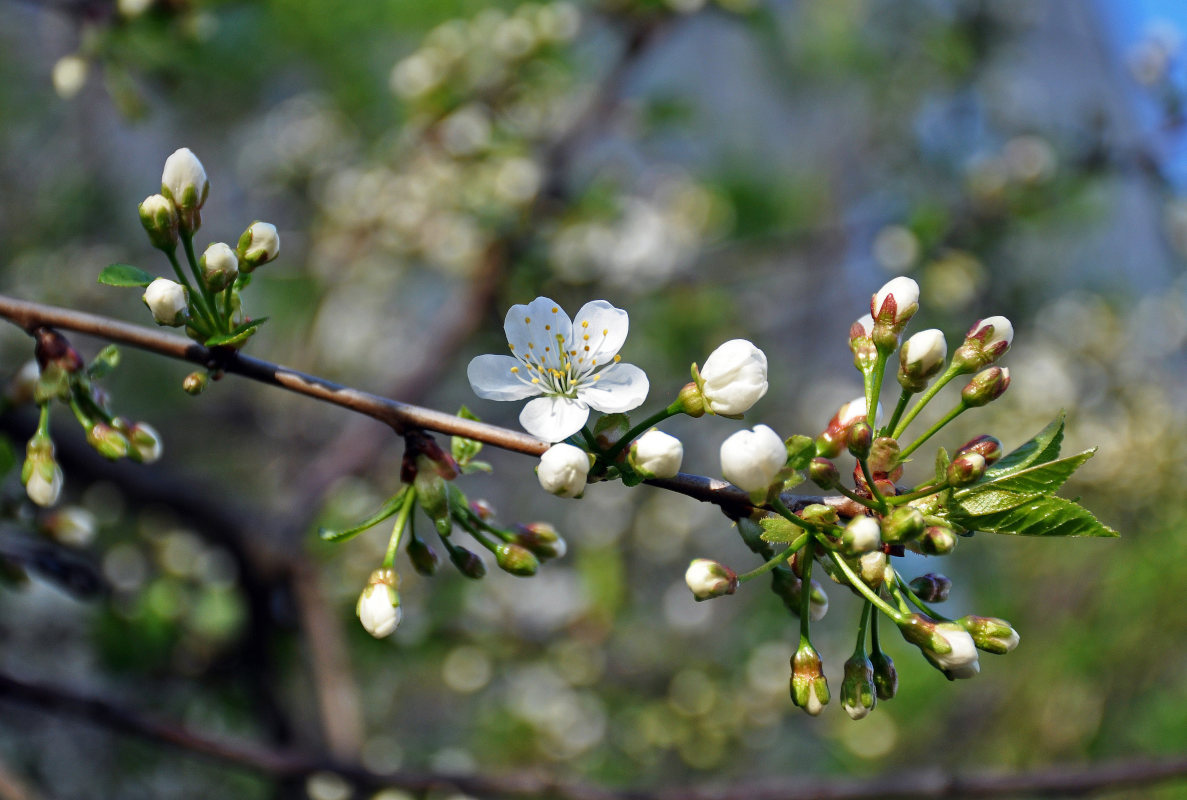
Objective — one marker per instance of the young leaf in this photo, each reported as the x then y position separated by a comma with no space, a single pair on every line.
464,450
124,275
240,334
942,462
107,360
1039,516
389,508
985,502
1040,449
1040,478
800,451
777,530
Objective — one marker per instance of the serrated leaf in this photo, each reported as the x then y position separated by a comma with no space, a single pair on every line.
777,530
1040,478
107,360
389,508
987,501
800,451
1039,516
124,275
942,462
1043,447
240,334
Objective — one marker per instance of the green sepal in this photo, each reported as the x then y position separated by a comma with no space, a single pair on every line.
389,508
462,449
800,451
239,335
629,476
124,275
778,530
107,360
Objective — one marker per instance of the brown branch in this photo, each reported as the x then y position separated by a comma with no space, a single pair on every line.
1058,781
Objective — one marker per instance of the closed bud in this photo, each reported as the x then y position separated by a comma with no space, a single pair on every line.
820,514
752,460
707,579
733,379
379,604
966,468
158,215
145,443
935,541
423,557
861,342
40,473
467,563
990,634
921,358
184,182
987,446
692,402
195,383
108,441
824,473
903,525
891,308
166,300
834,439
883,457
432,494
809,689
516,559
656,454
483,509
986,386
948,646
54,352
872,568
858,692
258,245
885,675
862,535
817,602
985,343
859,439
563,470
542,539
219,265
932,587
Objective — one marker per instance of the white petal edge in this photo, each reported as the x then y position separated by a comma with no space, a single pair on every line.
601,316
553,419
491,379
541,331
619,389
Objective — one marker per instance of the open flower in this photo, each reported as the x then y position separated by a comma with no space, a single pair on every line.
574,365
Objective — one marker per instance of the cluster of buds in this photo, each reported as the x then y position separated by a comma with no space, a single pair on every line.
207,301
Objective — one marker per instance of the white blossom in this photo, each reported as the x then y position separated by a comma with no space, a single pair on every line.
563,469
862,535
167,302
1003,331
574,364
905,292
656,454
751,460
734,377
379,604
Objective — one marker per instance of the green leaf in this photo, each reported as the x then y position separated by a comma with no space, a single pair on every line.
124,275
1040,449
1041,478
942,462
389,508
240,334
464,450
986,501
471,467
777,530
1038,516
800,451
107,360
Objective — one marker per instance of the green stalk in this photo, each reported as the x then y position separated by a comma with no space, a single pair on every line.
934,429
874,387
865,501
902,499
865,590
790,516
859,650
656,418
199,300
806,593
187,241
402,516
869,476
942,381
776,561
903,399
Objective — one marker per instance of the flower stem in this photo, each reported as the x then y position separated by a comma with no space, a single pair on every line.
934,429
656,418
900,499
859,650
869,476
791,516
942,381
865,501
187,241
393,543
590,440
776,561
903,398
864,588
806,592
873,386
199,301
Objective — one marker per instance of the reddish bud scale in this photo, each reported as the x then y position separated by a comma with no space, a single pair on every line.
988,447
53,348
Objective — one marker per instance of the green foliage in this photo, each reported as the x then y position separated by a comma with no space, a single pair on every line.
778,530
240,334
124,275
388,509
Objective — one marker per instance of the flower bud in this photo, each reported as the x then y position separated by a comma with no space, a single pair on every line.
563,470
835,437
891,308
733,379
903,525
468,563
542,539
40,474
932,587
934,541
54,354
990,634
108,441
258,245
921,358
883,458
432,492
195,383
692,402
872,568
966,468
862,535
655,454
167,301
483,509
948,646
72,526
809,689
987,446
145,443
817,602
861,342
985,343
858,692
859,439
986,386
516,559
885,675
707,579
824,473
819,513
184,182
219,265
379,604
423,557
752,460
159,217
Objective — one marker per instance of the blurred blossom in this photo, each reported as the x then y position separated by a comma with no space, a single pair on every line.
1029,159
896,248
987,177
327,786
766,669
70,75
1150,59
952,280
1174,220
466,669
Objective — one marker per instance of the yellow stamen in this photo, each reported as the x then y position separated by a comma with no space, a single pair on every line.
605,331
586,337
587,348
547,327
515,369
617,359
528,320
585,324
535,380
555,309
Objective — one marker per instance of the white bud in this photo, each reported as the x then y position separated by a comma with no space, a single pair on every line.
905,292
167,302
707,579
924,353
184,180
862,535
751,460
70,75
734,377
44,492
655,454
259,244
379,604
961,660
1003,331
145,442
220,266
853,410
867,324
563,469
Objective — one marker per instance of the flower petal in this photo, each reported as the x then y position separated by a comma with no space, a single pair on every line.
532,330
491,378
620,388
553,419
606,327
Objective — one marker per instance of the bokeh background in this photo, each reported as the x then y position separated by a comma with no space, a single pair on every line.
737,168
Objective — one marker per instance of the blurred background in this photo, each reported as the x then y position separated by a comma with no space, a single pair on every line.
737,168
